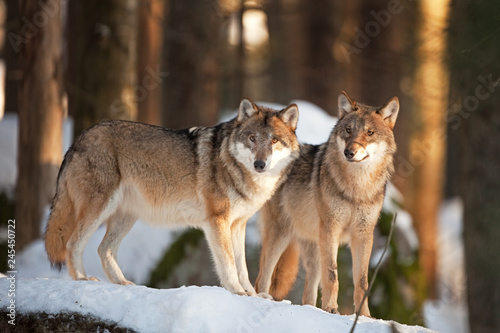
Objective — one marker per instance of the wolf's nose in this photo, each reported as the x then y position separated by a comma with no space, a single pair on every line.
259,165
349,153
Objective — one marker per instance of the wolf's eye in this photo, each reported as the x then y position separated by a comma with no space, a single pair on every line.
275,141
370,132
348,130
251,138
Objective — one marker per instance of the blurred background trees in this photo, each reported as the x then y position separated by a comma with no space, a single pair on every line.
181,63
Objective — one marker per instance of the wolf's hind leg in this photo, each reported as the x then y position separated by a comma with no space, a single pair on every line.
118,226
87,224
273,246
312,266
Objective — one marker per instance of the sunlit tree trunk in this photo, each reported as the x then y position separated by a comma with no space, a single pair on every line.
102,37
428,140
149,55
40,116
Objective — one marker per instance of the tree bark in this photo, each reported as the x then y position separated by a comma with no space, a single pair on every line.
475,77
428,140
40,114
192,89
302,35
149,55
102,51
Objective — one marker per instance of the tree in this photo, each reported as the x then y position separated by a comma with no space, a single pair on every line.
302,34
102,76
475,72
192,87
149,52
428,138
40,114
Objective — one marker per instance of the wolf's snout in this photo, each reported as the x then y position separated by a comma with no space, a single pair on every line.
349,153
259,165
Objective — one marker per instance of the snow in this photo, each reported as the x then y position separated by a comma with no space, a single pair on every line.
184,309
211,308
8,149
449,313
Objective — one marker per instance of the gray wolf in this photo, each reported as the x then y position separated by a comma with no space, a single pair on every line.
213,178
332,196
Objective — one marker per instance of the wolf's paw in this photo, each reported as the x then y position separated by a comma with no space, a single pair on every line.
266,296
246,293
92,278
126,283
332,310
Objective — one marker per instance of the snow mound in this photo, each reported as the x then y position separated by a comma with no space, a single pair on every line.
185,309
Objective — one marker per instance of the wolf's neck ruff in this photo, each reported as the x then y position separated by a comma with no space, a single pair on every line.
366,180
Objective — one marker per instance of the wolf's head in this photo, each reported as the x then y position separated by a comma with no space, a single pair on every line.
264,138
363,133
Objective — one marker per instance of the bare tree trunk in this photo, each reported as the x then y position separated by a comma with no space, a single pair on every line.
102,63
475,83
302,36
149,55
428,141
40,115
192,89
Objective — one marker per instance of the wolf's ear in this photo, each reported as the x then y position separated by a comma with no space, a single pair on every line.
346,105
389,112
247,109
290,116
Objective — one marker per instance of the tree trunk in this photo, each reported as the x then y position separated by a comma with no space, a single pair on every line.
302,35
40,114
149,55
475,71
192,93
428,140
102,63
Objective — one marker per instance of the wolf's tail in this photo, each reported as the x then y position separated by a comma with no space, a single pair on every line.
285,273
62,223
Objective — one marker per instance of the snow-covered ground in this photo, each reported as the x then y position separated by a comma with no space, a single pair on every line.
198,309
185,309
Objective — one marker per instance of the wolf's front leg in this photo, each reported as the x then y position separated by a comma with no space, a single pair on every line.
218,235
361,248
238,239
329,245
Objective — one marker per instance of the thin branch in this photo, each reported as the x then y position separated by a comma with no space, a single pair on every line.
367,292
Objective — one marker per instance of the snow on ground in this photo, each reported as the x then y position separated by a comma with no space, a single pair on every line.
185,309
144,245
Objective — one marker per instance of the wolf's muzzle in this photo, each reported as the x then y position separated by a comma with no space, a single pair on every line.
259,165
349,153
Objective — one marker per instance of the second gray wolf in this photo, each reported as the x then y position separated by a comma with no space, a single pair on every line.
333,195
212,178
